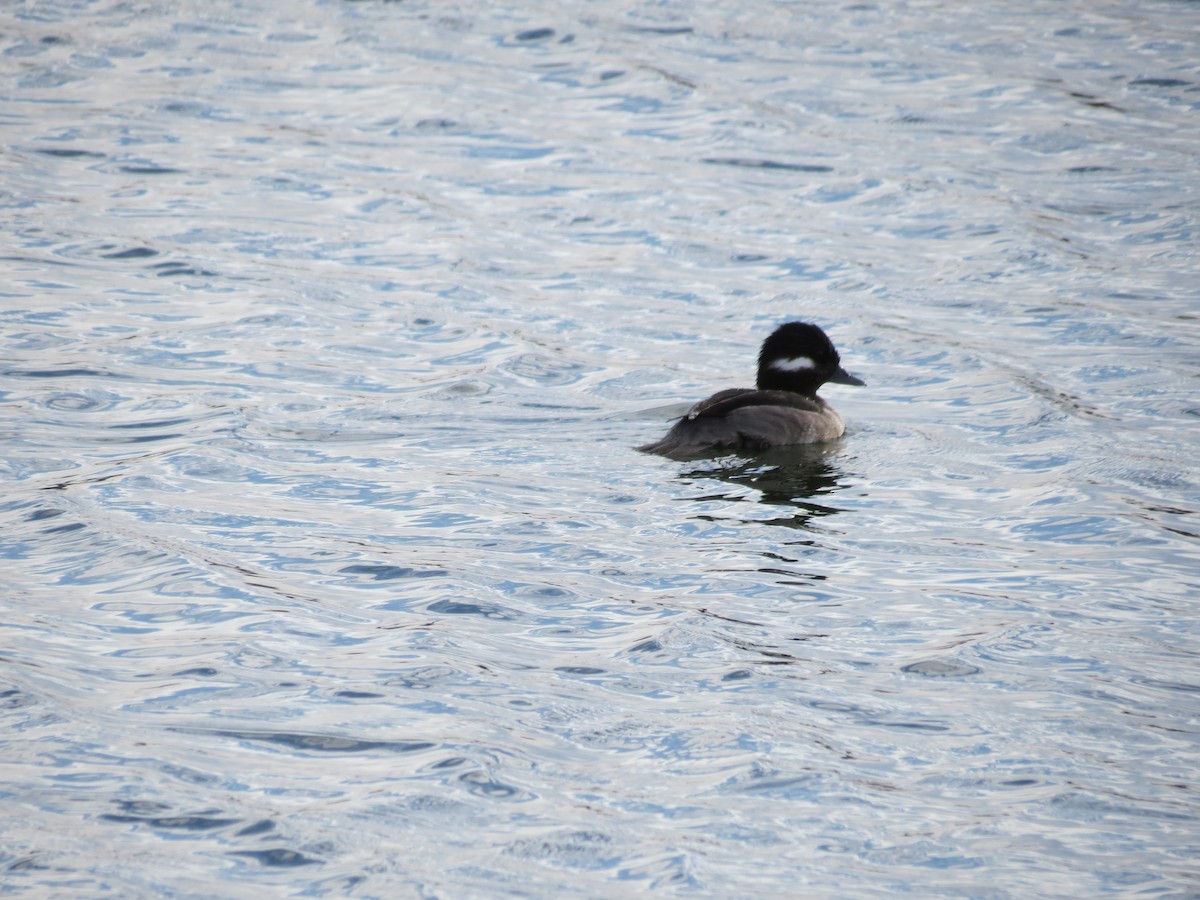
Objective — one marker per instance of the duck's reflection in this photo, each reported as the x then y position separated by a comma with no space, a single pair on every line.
798,479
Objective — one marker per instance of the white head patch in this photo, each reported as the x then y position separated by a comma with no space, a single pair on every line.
795,364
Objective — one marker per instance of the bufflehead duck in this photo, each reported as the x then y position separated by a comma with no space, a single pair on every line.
784,409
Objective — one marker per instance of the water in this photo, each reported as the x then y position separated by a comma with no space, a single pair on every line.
329,568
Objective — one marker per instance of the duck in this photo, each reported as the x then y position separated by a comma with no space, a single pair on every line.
782,410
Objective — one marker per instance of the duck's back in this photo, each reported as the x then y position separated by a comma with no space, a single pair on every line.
748,419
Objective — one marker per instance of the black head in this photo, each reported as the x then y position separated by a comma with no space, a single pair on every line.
800,357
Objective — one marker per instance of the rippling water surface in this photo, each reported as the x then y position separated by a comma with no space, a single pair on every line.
329,568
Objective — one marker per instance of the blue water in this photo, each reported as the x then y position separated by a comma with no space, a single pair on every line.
328,566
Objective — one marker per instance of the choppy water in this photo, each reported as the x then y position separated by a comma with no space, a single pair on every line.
328,567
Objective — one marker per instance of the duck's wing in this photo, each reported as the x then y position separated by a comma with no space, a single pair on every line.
704,407
723,403
748,419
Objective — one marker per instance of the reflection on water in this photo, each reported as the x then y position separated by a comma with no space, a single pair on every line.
325,337
789,477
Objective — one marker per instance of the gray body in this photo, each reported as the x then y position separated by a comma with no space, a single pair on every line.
759,421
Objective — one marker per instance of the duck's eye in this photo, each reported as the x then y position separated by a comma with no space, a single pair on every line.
794,364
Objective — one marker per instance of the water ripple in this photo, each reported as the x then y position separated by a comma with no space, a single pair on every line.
325,347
